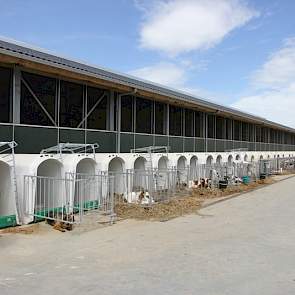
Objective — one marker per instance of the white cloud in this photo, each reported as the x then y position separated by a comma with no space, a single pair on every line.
279,69
168,74
275,87
173,75
178,26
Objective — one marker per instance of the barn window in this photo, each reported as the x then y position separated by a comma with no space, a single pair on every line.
143,115
258,134
175,121
5,94
189,123
127,113
251,132
237,133
160,118
198,124
245,131
97,106
228,129
71,104
211,126
220,127
37,100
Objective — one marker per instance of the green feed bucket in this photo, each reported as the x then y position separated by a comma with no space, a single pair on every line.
246,179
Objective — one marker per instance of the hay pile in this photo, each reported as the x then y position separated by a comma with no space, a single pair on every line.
179,206
203,194
160,211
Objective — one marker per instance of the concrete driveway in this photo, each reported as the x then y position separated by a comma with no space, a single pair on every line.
244,245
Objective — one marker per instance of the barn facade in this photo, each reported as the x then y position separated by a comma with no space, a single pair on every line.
46,100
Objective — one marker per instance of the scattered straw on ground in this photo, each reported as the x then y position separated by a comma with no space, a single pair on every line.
180,206
160,211
26,229
204,194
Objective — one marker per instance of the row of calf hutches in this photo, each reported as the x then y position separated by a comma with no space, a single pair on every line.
34,182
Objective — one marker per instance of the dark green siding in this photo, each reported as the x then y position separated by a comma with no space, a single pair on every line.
143,140
161,140
200,145
220,145
6,133
127,142
176,144
106,141
31,140
189,144
211,145
34,139
72,135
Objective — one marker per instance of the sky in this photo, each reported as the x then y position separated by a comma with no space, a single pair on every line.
234,52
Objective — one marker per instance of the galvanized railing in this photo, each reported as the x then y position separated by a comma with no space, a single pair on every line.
68,199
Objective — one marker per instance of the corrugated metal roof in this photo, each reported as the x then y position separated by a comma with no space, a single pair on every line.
28,52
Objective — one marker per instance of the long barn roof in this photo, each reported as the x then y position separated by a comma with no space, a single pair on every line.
27,52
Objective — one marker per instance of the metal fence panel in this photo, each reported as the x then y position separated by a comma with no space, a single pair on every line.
68,199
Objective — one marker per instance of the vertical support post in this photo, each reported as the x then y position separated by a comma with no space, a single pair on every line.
118,110
85,114
205,131
58,109
167,122
255,127
183,128
194,130
134,121
154,122
268,131
111,114
241,131
16,92
215,131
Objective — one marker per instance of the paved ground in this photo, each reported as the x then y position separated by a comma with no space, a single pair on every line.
240,246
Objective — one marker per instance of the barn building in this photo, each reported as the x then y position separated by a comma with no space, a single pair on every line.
47,99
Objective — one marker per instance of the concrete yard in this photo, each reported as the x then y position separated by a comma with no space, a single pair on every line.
240,246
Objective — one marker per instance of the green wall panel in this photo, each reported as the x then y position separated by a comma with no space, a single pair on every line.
229,145
106,141
189,144
6,133
72,135
210,145
127,142
161,140
200,145
220,145
143,140
251,146
244,145
176,144
237,144
33,139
